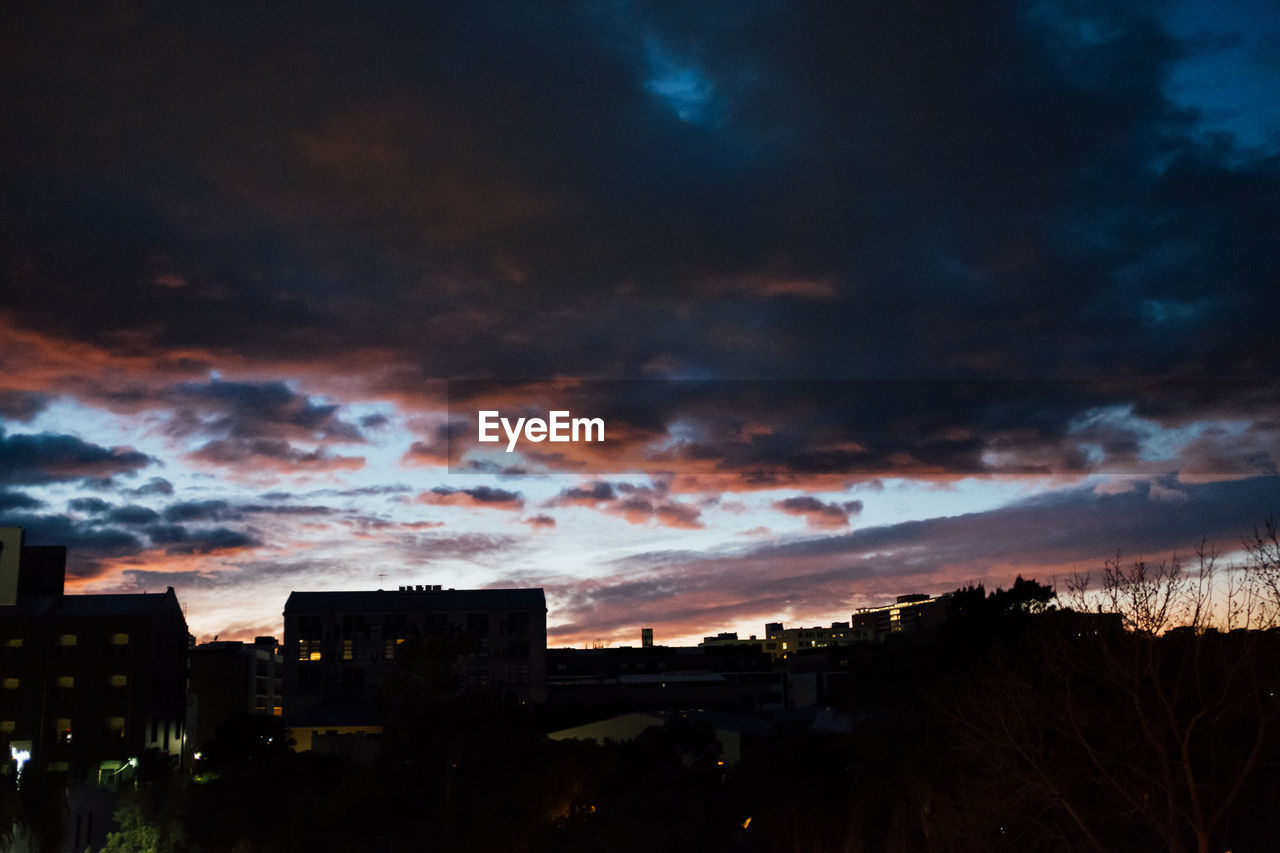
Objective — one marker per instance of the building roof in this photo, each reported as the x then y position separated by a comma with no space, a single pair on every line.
420,601
119,604
122,604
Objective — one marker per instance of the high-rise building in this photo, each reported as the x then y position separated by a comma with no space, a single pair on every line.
88,683
230,679
338,647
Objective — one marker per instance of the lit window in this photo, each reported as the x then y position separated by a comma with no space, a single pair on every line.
67,639
9,684
66,682
13,643
313,656
7,725
347,652
115,724
63,728
118,680
118,639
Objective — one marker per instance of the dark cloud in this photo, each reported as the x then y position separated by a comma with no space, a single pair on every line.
856,192
90,546
540,521
773,434
132,514
637,504
817,513
149,580
179,539
588,495
92,506
21,406
286,509
10,500
36,459
241,410
272,453
479,496
154,486
207,510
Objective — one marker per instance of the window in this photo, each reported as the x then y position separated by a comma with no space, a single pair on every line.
117,680
66,639
347,651
66,682
62,726
7,726
118,639
9,684
115,725
13,643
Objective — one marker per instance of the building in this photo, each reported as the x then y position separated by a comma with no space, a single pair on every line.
782,642
734,677
88,683
232,678
339,645
909,614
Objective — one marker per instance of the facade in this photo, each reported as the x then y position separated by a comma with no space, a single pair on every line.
232,678
782,642
909,614
87,682
339,645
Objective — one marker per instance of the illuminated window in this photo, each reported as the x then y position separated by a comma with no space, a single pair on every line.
13,643
115,725
9,684
7,725
66,682
118,680
63,727
66,639
347,652
313,656
118,639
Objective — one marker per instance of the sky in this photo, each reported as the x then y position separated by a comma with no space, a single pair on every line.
872,298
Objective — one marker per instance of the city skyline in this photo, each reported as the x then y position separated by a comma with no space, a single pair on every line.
869,300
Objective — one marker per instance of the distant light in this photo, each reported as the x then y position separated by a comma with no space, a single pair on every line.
746,823
198,756
22,756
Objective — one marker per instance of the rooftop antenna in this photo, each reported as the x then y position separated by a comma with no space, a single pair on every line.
381,575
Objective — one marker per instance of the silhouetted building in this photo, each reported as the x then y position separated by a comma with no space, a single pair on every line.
783,642
87,682
339,645
731,638
231,678
735,677
909,614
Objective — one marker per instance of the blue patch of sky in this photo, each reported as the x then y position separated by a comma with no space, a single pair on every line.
678,82
1231,74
